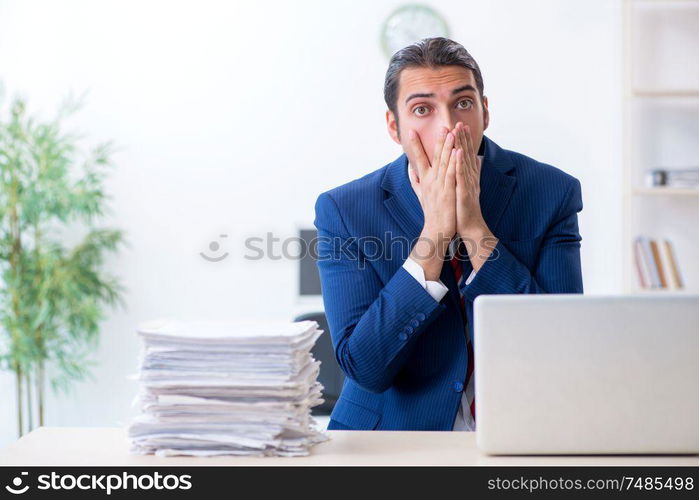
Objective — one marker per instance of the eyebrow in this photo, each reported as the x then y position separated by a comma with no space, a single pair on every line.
453,92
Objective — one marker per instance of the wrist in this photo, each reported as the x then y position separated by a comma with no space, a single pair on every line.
480,241
437,239
474,232
428,252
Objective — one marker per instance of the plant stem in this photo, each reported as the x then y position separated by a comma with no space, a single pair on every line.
16,250
20,415
30,412
40,391
38,340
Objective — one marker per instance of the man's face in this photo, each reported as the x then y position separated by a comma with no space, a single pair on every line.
429,99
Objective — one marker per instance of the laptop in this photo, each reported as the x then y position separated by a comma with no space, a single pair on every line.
584,374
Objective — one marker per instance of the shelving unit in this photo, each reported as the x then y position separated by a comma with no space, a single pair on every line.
661,130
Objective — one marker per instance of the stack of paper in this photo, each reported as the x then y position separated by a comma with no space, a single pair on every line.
233,388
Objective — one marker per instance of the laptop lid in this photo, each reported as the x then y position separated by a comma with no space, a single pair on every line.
580,374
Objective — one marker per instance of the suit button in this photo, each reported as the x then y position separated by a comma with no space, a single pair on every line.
414,323
403,336
420,317
458,386
408,330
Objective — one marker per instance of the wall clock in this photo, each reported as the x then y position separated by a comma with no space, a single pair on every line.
410,23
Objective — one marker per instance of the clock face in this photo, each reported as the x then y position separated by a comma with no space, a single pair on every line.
409,24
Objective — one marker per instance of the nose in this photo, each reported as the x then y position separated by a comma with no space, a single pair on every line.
447,118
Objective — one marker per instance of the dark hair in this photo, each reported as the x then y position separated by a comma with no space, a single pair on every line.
427,53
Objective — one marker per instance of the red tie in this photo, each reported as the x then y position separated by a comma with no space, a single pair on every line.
456,264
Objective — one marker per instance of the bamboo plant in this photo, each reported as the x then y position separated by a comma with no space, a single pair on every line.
52,295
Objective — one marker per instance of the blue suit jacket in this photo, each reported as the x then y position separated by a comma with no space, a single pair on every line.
403,353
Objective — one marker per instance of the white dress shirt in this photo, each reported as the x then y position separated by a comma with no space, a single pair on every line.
464,420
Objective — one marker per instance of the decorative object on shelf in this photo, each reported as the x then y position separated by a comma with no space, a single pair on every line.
676,178
656,264
410,23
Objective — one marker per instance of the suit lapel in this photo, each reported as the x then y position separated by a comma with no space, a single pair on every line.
402,202
496,184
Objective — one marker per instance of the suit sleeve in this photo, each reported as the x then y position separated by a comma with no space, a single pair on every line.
373,326
557,269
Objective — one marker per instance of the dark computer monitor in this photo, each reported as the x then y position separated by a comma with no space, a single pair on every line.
309,280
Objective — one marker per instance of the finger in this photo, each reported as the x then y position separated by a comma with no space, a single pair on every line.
460,169
457,135
461,138
464,146
418,156
460,179
446,153
450,176
472,160
441,137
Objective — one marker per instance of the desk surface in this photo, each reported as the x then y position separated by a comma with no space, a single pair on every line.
109,446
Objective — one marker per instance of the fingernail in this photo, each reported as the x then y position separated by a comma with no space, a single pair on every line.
411,134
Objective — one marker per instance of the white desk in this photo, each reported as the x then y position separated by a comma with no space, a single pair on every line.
96,446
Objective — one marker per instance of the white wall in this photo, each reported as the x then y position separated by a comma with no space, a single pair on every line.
233,116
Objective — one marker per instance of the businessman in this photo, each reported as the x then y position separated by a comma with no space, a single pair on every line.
404,250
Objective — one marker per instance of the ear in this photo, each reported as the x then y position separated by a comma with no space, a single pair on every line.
392,126
486,114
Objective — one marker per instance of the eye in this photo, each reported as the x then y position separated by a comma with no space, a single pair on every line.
465,104
420,110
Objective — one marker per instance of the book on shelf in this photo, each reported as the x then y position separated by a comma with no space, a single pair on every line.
673,177
656,264
669,252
